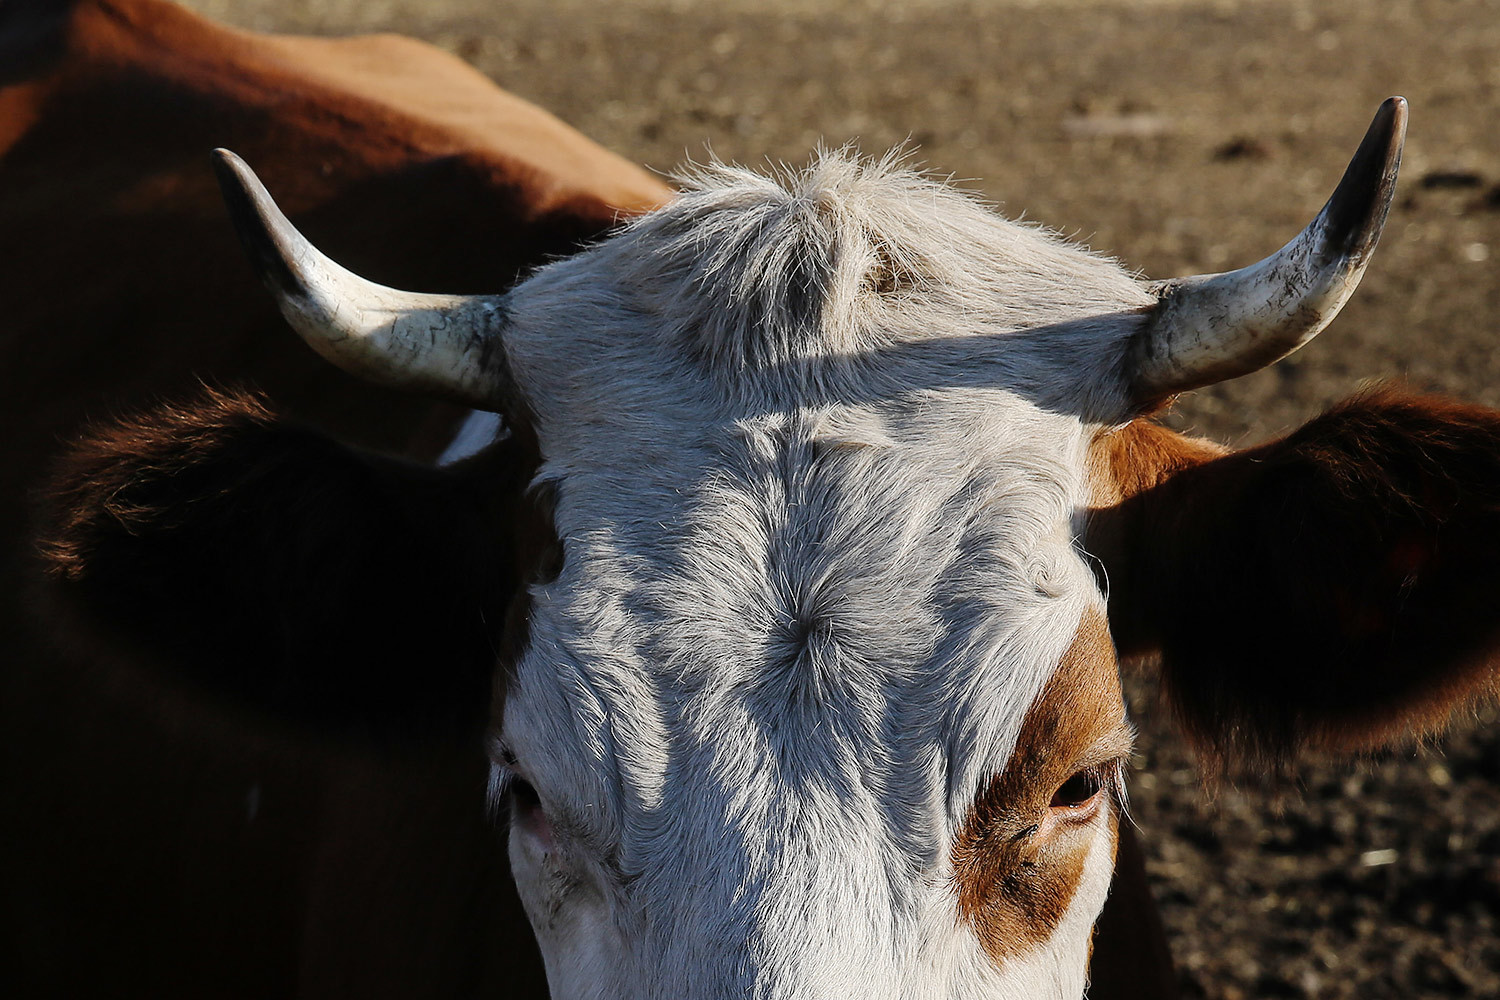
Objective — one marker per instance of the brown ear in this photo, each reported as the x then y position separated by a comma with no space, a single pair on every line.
1337,588
269,563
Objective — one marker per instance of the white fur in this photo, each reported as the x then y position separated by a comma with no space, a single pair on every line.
816,442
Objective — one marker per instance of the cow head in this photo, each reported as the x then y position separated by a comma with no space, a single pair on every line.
838,510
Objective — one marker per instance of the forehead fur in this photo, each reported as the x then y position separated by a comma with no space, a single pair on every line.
849,255
816,445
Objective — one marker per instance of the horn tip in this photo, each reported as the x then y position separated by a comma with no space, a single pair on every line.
1390,124
1356,213
232,172
257,221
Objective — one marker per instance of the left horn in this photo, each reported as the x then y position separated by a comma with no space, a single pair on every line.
445,345
1211,327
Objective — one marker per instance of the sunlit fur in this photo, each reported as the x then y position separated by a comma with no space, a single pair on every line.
817,449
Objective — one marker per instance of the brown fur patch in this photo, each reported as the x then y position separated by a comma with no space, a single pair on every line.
1123,462
1332,589
1017,865
415,171
1126,460
266,561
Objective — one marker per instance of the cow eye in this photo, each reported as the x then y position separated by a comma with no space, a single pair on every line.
523,795
527,813
1078,791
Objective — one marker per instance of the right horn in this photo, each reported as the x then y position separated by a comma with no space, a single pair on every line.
444,345
1211,327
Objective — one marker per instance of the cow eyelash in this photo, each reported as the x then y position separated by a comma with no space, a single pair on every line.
1083,785
497,788
508,788
1114,784
506,781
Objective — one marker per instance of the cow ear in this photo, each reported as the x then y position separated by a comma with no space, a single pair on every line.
266,562
1334,589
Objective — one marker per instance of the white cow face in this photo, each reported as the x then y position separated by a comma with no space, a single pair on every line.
822,702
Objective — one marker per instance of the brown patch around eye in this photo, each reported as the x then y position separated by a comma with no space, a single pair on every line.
1020,854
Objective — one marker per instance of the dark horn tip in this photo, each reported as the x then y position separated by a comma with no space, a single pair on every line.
255,219
1356,212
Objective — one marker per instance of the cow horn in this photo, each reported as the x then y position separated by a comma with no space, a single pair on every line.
444,345
1211,327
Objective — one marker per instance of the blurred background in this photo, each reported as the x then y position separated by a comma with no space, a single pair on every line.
1179,137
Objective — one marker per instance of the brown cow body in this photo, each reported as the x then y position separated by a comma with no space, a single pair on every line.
160,848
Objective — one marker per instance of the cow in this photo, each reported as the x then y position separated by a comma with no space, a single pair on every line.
164,844
829,504
216,840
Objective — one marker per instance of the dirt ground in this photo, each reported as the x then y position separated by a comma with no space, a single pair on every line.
1181,137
